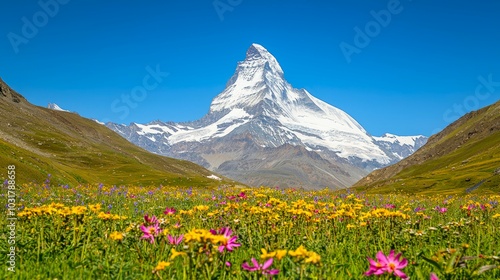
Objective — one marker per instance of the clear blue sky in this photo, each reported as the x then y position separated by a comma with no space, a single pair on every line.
417,71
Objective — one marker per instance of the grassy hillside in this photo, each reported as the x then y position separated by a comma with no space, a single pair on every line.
464,155
76,150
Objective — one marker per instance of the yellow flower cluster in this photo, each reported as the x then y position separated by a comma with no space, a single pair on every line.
201,208
186,212
161,266
299,254
277,204
174,254
109,216
308,256
383,213
300,212
116,236
57,209
204,236
279,254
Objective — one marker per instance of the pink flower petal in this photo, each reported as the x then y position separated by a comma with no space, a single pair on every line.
434,277
402,264
400,274
272,272
247,267
372,262
382,259
255,263
267,264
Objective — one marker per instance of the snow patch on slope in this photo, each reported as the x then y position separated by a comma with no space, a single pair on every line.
213,177
220,128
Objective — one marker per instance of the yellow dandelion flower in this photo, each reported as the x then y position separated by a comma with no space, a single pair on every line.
301,251
201,208
313,258
78,210
95,207
266,255
175,254
162,265
116,236
281,254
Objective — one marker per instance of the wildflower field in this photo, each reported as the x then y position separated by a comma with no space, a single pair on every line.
109,232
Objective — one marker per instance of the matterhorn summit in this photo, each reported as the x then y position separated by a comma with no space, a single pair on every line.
258,88
262,130
251,82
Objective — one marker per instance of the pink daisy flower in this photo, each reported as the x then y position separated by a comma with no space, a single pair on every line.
391,264
150,232
263,268
175,240
230,243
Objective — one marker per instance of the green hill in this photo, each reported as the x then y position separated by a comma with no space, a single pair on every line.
464,157
74,150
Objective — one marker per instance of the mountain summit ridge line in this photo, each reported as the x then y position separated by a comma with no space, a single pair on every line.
260,110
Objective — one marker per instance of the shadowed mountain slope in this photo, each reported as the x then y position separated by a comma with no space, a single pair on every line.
464,157
40,141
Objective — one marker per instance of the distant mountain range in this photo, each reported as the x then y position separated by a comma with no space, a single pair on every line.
74,150
464,157
262,131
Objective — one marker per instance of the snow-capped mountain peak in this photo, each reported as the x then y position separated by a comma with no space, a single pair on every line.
259,88
257,52
259,110
56,107
401,140
400,146
257,78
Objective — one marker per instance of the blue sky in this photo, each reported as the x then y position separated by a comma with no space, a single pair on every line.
415,67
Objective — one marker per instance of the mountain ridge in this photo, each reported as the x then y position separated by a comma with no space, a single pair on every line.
259,101
74,150
465,153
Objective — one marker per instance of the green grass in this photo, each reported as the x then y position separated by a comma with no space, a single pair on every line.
343,229
452,173
464,154
75,150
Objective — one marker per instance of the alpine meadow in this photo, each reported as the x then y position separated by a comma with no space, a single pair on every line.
204,140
